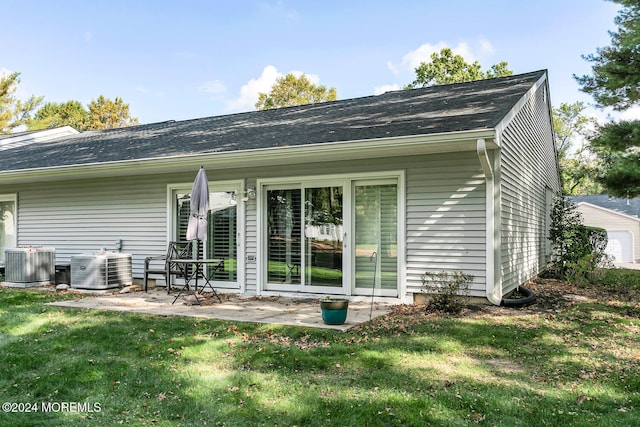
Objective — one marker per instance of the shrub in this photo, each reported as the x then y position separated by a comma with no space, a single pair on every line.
578,250
448,292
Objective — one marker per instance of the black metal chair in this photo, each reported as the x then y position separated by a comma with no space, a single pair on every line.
163,265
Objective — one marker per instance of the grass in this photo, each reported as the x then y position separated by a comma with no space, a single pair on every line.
574,367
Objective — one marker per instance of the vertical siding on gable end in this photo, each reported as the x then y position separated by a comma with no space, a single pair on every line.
84,216
528,166
446,218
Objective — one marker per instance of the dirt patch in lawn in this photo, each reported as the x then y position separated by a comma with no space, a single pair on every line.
552,295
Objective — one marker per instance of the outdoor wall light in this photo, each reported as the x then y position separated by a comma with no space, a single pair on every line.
250,194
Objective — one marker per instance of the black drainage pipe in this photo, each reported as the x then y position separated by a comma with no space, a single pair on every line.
528,298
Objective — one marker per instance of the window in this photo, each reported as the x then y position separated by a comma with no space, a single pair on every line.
7,223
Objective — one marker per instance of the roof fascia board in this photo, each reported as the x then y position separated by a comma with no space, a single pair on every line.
43,135
611,211
397,146
518,106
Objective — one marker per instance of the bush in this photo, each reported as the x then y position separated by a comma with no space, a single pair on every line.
448,292
578,250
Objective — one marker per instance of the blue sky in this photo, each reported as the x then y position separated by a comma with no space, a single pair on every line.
176,60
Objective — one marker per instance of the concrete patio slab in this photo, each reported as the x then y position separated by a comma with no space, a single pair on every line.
272,310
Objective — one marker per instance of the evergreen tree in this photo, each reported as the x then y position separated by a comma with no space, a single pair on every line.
52,115
615,82
14,112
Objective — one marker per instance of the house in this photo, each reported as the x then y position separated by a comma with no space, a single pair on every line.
620,217
351,197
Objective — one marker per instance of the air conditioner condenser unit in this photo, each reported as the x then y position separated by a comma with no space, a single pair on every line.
101,271
30,266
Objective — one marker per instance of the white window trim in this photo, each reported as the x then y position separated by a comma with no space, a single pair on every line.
348,180
13,197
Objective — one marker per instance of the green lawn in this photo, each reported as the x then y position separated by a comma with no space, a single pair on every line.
571,367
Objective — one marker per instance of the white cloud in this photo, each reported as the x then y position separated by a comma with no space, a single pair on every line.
249,91
4,72
379,90
486,47
278,8
412,59
630,114
214,87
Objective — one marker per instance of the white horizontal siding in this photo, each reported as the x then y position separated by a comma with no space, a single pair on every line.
85,216
446,218
528,167
251,242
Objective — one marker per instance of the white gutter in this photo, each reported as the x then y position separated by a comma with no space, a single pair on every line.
492,244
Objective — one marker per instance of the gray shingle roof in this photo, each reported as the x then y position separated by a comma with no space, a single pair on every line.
629,207
437,109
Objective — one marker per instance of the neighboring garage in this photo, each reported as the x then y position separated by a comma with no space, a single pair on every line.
620,245
621,219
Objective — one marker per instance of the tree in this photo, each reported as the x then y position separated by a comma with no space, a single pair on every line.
290,90
102,113
617,146
14,112
52,115
577,169
446,68
106,114
615,82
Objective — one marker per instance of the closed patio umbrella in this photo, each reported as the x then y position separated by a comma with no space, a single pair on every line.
197,225
199,204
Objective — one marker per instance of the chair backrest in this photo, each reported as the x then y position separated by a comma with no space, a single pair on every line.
179,250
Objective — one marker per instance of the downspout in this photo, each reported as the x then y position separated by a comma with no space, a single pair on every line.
492,246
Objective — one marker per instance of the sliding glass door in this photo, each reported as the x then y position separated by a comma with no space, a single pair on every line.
332,236
305,237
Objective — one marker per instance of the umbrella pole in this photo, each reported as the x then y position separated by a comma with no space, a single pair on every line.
197,265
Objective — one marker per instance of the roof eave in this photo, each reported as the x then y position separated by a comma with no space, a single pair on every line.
333,151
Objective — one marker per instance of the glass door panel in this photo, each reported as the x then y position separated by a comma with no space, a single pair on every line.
376,236
323,236
222,232
284,226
